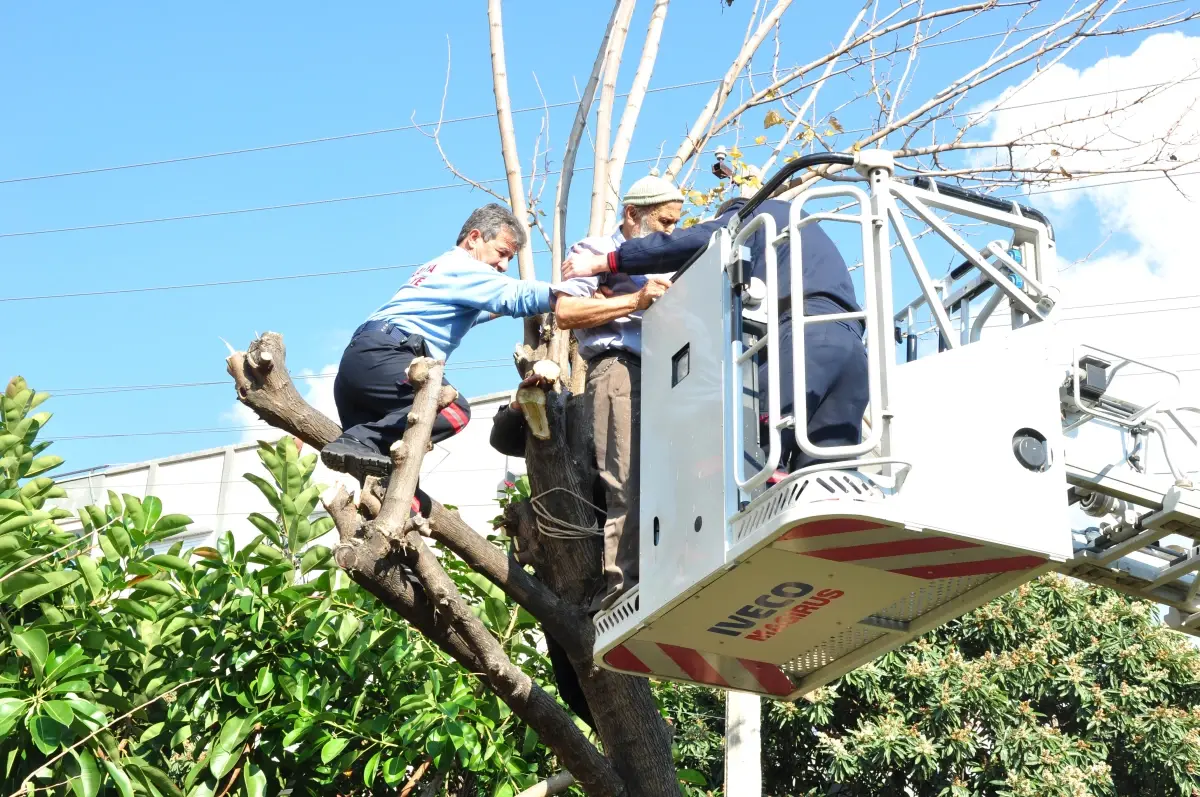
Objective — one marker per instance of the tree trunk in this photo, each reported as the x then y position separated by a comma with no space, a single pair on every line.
561,471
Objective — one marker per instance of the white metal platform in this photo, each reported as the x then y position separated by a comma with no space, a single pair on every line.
973,478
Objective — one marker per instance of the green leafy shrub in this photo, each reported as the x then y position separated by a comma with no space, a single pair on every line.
223,670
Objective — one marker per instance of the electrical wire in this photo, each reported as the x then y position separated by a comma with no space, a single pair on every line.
342,136
467,365
159,485
552,527
284,277
240,211
457,185
490,115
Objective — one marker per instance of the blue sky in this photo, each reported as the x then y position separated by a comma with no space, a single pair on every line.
89,86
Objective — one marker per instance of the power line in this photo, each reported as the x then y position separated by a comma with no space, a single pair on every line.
103,470
247,281
342,136
482,116
219,283
459,185
280,278
287,205
67,392
239,211
230,429
367,269
468,365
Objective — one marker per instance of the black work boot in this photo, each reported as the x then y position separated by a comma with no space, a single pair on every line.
356,458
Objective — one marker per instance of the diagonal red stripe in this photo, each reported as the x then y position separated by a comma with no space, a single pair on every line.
895,548
622,658
820,528
771,677
1004,565
695,665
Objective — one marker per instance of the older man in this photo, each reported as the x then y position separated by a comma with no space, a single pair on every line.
610,339
428,316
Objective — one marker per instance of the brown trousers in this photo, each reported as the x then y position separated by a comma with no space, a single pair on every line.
614,388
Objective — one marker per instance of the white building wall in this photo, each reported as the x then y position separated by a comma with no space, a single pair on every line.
209,487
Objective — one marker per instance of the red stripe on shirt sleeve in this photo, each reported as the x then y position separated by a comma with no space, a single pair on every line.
455,417
612,261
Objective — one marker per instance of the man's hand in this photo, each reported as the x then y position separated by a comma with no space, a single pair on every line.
582,264
654,288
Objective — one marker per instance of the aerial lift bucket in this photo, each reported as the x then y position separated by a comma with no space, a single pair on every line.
777,586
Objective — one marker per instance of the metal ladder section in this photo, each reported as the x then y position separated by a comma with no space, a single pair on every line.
1145,542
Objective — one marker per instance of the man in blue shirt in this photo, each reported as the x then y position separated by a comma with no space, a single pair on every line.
428,316
835,358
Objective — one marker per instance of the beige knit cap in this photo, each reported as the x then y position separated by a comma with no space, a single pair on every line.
652,190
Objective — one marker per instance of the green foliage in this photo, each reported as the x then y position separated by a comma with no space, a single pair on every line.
1058,689
221,669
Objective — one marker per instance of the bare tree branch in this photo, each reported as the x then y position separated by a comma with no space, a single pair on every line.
558,246
768,93
633,106
698,135
381,554
608,90
263,384
812,97
508,137
437,138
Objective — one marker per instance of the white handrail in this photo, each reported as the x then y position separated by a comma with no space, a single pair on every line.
774,442
875,339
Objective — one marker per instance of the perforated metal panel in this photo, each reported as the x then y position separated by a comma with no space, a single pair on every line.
840,485
832,649
930,597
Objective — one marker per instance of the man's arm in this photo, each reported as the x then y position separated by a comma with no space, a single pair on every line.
580,312
656,253
487,290
484,316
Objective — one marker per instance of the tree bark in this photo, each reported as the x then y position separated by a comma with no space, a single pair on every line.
380,554
561,472
263,384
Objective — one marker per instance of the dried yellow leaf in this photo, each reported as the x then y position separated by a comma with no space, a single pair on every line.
773,118
760,140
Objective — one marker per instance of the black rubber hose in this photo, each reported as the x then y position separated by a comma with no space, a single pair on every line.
780,177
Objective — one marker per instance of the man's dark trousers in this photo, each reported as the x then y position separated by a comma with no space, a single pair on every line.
372,392
835,372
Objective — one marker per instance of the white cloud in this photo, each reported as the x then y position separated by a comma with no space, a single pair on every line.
1154,214
1149,226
